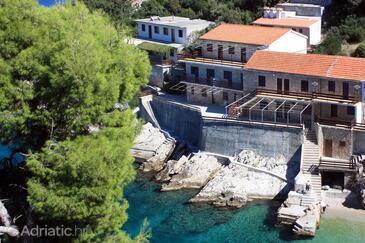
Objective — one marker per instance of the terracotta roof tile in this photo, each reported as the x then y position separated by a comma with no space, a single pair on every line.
245,34
287,22
337,67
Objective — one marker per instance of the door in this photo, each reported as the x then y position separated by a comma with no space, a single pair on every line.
220,52
279,85
195,73
150,31
210,75
333,110
327,148
243,55
345,90
228,76
173,35
286,86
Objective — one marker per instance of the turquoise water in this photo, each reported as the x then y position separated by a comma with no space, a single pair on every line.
172,219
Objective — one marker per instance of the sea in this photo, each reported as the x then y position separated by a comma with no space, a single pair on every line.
172,219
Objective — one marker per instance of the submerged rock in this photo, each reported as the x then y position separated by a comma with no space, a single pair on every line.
152,148
193,173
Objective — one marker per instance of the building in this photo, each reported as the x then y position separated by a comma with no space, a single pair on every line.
310,27
221,57
163,38
170,29
324,93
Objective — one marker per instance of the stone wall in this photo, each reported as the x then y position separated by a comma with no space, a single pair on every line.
341,142
359,142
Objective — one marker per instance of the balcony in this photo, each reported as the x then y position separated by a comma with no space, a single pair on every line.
339,165
315,96
225,84
197,57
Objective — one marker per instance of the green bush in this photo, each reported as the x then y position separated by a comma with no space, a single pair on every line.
360,51
332,44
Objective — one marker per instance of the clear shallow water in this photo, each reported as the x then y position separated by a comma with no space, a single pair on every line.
173,220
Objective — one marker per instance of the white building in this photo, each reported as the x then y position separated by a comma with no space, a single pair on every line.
170,29
223,54
164,38
310,27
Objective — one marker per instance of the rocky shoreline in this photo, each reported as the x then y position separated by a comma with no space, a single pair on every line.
246,177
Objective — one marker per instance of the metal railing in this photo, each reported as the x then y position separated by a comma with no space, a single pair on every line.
213,82
308,95
219,60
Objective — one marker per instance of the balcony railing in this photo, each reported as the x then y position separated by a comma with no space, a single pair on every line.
197,57
310,96
213,82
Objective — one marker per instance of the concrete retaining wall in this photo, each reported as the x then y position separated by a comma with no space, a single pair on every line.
226,137
181,121
231,137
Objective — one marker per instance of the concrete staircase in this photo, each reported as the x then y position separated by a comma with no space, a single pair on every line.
310,163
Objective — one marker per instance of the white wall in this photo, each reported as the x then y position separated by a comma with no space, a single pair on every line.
160,36
290,42
315,33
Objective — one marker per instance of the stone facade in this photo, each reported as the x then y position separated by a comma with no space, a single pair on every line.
340,139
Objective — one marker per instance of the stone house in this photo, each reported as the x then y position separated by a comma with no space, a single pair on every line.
222,54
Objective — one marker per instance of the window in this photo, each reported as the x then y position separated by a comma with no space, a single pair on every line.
194,71
204,92
262,81
304,86
300,30
350,110
172,53
333,110
225,96
331,86
231,50
181,34
143,27
210,47
157,30
192,90
294,29
165,31
342,144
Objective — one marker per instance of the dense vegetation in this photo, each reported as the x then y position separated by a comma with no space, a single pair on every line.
63,69
345,27
231,11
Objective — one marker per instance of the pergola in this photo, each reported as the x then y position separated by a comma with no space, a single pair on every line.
182,86
276,110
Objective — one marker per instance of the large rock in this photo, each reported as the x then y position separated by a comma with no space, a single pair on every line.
193,173
152,148
235,184
172,167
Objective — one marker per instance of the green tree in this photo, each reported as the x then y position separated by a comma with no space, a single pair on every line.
360,51
62,70
332,45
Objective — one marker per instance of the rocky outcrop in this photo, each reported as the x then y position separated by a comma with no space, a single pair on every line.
251,176
235,184
152,148
192,173
172,167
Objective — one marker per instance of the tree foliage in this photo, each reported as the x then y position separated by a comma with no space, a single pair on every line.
62,69
360,51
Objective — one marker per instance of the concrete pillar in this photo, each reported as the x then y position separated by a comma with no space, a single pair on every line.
358,112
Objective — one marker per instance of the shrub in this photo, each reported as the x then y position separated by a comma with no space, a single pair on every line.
360,51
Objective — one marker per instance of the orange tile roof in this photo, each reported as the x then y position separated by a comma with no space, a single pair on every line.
245,34
337,67
287,22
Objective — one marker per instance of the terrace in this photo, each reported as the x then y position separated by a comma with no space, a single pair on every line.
196,57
